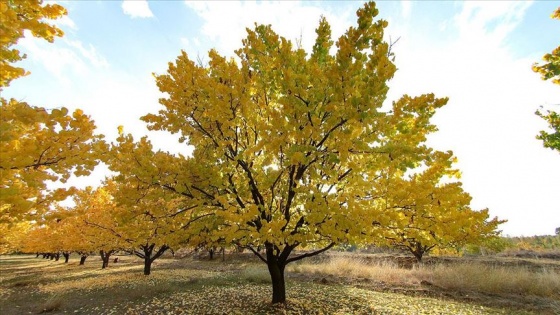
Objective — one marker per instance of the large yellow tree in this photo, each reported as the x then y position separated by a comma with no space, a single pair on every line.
289,143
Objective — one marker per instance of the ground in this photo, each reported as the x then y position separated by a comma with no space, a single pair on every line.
330,284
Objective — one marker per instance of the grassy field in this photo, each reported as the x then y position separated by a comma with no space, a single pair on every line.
333,284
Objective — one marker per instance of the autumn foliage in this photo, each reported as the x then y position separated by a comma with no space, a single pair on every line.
292,150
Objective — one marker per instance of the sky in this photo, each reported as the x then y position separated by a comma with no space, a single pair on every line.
477,53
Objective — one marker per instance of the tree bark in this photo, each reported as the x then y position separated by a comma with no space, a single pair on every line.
146,254
83,259
56,256
66,257
147,266
276,265
105,258
278,282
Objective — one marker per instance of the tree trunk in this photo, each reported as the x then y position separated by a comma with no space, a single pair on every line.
83,259
418,251
211,252
66,257
147,266
37,255
278,282
51,256
105,258
146,254
276,266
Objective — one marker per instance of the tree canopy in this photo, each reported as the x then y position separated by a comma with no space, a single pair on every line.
290,143
292,150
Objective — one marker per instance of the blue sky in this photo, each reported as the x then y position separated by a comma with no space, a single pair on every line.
477,53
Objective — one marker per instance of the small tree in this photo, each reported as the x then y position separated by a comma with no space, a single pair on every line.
432,212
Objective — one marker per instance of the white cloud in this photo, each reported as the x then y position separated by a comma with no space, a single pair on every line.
65,22
225,22
90,54
137,8
406,6
64,57
492,20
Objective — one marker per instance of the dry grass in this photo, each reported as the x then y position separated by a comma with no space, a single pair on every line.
54,303
460,277
346,267
495,279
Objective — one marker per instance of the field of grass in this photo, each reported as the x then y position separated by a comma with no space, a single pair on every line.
240,285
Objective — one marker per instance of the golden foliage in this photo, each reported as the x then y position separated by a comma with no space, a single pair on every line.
19,16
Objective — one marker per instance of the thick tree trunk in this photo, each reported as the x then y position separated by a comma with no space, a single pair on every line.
211,252
148,255
418,256
37,255
147,266
66,257
276,265
105,258
83,259
278,282
51,256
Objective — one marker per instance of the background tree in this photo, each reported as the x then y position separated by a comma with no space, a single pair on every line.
12,239
37,144
19,16
151,220
432,210
289,143
550,70
94,208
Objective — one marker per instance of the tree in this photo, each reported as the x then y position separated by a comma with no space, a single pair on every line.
19,16
152,220
550,70
93,209
12,239
288,144
37,144
433,211
40,145
550,139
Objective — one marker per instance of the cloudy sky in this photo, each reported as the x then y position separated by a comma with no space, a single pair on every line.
479,54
